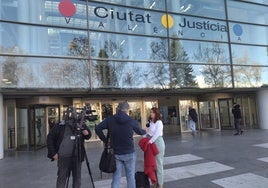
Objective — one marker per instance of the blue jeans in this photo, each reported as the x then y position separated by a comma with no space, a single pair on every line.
128,161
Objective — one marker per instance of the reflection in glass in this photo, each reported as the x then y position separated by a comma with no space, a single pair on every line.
263,2
22,128
249,55
245,12
214,9
184,114
43,73
125,20
207,114
187,27
214,75
25,39
157,75
135,111
149,4
43,12
180,75
123,46
248,34
249,76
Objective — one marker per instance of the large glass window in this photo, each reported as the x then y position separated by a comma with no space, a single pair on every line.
249,55
264,2
213,76
26,72
245,12
125,20
53,12
114,46
208,115
110,74
22,128
199,52
249,76
207,8
249,34
25,39
148,4
198,28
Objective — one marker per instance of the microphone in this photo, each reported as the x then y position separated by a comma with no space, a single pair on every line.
148,123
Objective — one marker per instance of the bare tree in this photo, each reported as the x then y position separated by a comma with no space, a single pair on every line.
245,76
79,47
159,71
110,73
215,74
12,67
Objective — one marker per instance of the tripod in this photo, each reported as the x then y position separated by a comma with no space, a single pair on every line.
78,149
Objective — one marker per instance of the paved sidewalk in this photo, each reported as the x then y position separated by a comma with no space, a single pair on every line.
210,159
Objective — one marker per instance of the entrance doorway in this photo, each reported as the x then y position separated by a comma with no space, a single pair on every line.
208,115
225,110
183,113
33,125
37,127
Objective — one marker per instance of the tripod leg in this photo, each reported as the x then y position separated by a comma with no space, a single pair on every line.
87,162
67,183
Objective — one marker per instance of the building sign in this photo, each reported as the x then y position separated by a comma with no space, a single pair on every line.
67,9
133,19
238,31
120,19
103,12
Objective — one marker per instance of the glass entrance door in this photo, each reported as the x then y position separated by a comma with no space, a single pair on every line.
225,110
184,112
208,115
22,129
37,127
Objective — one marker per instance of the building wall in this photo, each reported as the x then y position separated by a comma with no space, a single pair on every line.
133,44
177,53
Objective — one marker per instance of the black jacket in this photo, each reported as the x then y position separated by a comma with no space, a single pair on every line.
237,112
55,136
122,132
193,115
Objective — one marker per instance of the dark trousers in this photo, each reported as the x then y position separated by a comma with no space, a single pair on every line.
66,166
237,125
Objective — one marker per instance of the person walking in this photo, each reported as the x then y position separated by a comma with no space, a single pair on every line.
123,128
192,119
155,133
62,144
237,119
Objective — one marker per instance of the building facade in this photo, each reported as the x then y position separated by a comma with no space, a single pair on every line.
172,54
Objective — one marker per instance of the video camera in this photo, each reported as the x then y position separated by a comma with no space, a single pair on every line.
80,115
88,113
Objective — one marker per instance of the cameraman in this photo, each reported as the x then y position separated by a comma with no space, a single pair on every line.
65,143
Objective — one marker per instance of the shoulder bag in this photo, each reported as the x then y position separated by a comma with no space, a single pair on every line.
107,161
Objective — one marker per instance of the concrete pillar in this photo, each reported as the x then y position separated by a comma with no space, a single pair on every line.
1,128
262,101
